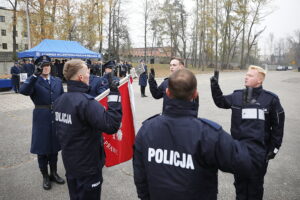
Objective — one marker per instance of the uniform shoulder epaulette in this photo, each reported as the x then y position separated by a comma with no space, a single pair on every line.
166,78
271,93
211,123
88,96
152,117
239,90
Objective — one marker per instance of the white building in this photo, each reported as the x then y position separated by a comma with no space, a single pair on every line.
6,37
6,27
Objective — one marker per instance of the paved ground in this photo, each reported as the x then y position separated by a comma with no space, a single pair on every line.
20,177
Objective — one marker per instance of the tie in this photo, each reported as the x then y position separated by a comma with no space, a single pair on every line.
48,81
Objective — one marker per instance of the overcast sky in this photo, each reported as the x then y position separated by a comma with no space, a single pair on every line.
282,22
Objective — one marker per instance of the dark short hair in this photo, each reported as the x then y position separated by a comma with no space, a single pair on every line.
182,84
179,60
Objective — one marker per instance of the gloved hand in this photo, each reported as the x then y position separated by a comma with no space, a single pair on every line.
271,154
113,84
38,71
214,80
152,74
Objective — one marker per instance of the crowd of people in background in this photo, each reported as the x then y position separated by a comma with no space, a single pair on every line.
119,69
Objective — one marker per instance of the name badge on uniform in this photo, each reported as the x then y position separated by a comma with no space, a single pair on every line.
253,113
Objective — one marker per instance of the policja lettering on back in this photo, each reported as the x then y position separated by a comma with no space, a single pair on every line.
63,117
170,157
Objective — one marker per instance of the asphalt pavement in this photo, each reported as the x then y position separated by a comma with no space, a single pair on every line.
20,177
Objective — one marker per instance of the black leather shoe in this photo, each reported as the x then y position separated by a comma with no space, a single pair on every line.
46,179
46,183
56,178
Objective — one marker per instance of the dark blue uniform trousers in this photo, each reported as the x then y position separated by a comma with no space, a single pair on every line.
44,160
250,188
85,188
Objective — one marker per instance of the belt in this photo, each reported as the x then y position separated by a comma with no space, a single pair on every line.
44,106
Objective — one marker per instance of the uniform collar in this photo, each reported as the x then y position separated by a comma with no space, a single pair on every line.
49,78
175,107
257,91
77,86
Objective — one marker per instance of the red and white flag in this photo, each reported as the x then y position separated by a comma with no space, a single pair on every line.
119,146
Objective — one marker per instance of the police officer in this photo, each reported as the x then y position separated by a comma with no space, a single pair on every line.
128,66
160,91
252,188
108,75
15,76
80,120
177,155
43,90
28,67
95,83
143,79
122,69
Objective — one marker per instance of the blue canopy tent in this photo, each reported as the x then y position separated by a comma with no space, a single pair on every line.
59,49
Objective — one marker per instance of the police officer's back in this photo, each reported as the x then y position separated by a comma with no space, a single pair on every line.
177,155
80,120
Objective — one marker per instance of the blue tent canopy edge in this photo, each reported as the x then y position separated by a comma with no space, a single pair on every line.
59,49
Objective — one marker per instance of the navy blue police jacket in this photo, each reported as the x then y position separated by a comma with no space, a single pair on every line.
177,155
143,77
80,120
274,113
160,92
97,85
44,140
103,84
15,73
29,69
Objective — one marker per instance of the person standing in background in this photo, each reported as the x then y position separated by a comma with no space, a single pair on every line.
143,78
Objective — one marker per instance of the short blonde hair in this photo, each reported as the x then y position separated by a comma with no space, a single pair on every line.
260,70
72,67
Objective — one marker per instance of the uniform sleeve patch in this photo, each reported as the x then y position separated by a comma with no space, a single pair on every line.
211,124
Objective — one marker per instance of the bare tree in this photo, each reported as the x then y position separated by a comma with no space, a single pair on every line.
14,5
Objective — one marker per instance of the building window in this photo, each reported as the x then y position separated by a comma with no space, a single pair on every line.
4,46
2,18
25,34
3,32
26,46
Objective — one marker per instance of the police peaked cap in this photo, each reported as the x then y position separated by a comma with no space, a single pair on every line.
110,64
42,60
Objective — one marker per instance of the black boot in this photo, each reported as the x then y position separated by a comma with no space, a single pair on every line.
54,176
46,179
